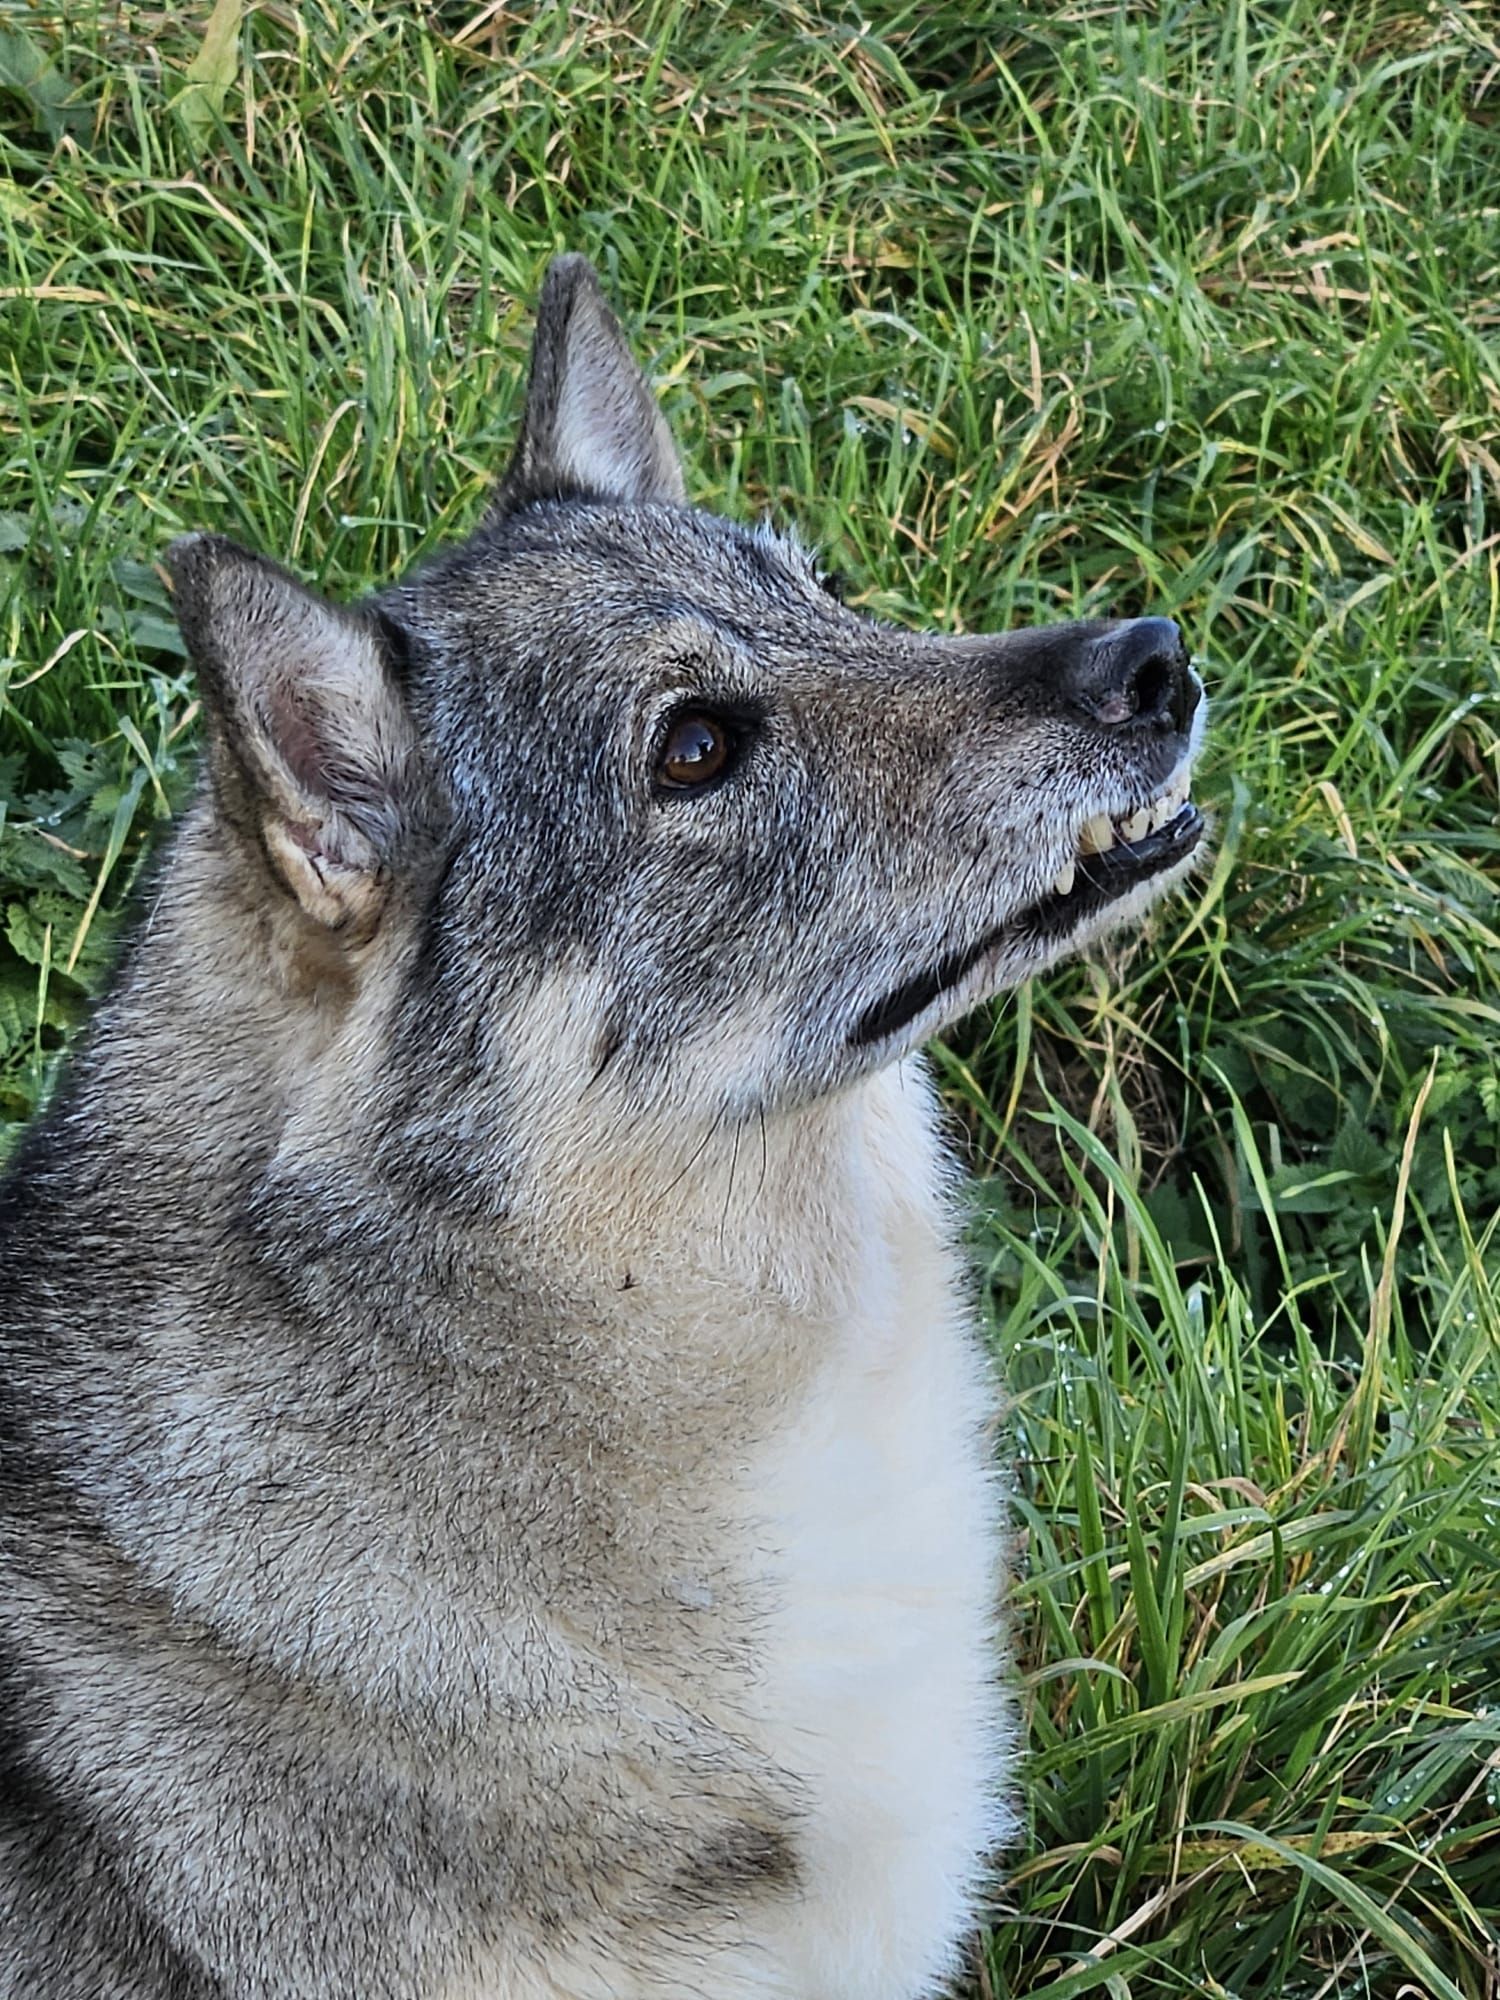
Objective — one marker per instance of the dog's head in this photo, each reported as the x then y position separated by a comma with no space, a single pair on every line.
619,787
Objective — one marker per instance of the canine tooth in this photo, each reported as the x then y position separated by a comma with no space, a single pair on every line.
1064,880
1136,825
1098,835
1161,812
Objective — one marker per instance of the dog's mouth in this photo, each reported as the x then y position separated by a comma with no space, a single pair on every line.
1102,875
1114,856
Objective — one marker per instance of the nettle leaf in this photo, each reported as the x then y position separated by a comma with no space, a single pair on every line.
27,935
1308,1191
94,770
140,580
17,1009
50,808
27,861
86,765
1305,1101
1180,1220
1356,1151
42,929
147,631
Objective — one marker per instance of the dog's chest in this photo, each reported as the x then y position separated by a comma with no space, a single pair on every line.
863,1569
879,1530
873,1526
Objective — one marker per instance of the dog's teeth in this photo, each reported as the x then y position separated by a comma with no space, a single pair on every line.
1098,836
1136,825
1065,876
1164,809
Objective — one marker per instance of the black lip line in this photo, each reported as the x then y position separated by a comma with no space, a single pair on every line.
915,996
1100,879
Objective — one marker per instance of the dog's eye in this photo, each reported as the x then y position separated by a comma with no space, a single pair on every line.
698,749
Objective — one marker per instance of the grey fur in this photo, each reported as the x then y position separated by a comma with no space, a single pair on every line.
385,1298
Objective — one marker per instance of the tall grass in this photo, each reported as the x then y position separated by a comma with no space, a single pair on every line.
1016,314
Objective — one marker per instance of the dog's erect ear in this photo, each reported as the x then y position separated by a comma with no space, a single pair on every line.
310,740
591,425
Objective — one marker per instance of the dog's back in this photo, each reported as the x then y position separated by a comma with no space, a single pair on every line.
496,1495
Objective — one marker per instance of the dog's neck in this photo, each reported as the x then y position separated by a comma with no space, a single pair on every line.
545,1184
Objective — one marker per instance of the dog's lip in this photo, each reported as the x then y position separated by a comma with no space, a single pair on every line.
1099,880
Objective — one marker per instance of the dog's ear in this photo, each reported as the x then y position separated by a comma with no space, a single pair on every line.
591,426
310,741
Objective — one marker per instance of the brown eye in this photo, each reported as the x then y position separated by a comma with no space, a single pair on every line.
697,749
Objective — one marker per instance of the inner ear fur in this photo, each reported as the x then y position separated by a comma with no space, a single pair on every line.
591,426
310,737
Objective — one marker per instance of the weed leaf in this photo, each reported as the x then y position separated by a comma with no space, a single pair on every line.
212,72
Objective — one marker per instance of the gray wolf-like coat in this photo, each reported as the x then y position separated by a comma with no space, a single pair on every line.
495,1499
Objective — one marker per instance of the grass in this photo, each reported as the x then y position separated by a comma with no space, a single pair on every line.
1103,308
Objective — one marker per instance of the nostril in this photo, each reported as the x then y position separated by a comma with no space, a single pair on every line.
1136,673
1155,684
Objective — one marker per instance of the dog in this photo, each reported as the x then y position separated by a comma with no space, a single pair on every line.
497,1476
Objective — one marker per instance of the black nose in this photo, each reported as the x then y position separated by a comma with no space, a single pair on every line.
1136,673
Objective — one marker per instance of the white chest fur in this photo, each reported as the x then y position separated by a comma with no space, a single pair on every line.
881,1686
